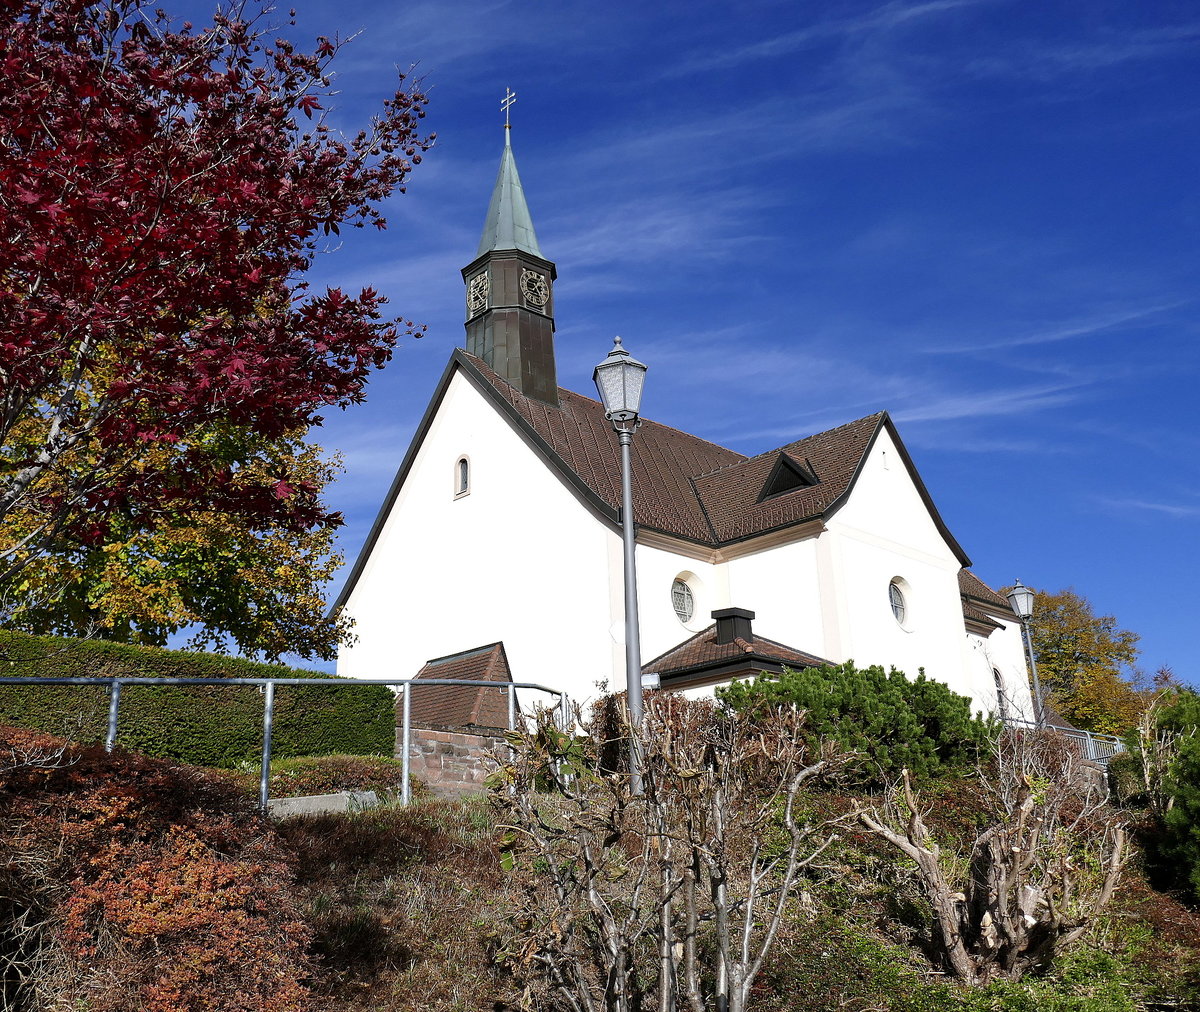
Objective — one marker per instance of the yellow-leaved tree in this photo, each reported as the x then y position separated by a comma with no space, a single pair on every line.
228,582
1086,663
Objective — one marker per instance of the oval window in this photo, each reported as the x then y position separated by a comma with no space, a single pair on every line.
683,601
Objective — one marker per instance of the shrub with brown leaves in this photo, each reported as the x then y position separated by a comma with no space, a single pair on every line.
131,883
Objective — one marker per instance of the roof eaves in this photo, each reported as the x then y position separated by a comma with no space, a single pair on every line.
955,547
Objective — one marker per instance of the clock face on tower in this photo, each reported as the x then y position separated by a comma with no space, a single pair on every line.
535,288
478,292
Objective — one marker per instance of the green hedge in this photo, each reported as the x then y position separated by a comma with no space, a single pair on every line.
208,725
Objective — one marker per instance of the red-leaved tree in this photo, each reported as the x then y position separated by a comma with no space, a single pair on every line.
163,190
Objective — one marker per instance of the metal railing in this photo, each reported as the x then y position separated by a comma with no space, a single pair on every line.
115,684
1098,748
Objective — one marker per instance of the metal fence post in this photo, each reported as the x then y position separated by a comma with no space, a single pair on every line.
405,761
268,720
114,703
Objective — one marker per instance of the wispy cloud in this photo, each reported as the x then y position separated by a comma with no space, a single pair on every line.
989,403
1090,326
882,19
1047,62
1176,511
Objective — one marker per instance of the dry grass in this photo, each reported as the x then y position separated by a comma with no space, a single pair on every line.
407,906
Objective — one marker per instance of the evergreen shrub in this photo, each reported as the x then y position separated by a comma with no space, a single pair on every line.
209,725
890,721
1177,846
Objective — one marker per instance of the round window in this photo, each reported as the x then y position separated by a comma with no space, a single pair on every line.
683,601
896,597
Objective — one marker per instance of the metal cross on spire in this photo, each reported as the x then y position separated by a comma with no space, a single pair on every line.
510,97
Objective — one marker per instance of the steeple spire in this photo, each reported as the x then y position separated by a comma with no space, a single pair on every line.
508,224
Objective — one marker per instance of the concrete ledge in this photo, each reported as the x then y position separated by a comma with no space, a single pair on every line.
319,804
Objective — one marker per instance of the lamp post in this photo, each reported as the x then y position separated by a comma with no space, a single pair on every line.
1020,598
619,379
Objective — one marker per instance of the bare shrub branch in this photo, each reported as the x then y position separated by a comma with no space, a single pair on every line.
1034,880
671,898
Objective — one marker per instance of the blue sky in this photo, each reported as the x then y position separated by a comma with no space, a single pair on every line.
979,215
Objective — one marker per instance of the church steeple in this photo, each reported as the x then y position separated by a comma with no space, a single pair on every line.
510,300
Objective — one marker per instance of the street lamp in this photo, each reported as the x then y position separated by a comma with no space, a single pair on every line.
1020,599
619,379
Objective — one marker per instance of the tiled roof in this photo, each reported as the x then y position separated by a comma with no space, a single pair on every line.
970,586
703,651
731,495
463,705
684,485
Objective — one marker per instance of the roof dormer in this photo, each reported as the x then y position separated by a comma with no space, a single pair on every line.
787,475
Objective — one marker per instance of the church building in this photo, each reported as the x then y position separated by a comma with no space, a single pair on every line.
503,527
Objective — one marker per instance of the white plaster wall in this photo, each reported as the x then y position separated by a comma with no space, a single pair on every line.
781,587
660,627
884,532
1004,651
519,559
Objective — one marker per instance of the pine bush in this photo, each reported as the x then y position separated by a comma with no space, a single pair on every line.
1180,841
890,721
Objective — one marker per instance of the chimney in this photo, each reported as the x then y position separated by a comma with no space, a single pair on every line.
732,624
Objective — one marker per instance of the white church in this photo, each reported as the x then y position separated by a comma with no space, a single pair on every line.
501,533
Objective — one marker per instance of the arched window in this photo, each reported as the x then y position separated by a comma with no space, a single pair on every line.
462,477
1001,698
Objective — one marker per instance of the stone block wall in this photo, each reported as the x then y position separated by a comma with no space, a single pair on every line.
450,762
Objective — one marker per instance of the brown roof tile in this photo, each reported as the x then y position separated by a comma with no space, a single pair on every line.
731,495
664,459
970,586
684,485
464,705
703,650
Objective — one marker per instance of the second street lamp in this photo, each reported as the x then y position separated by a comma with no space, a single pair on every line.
1021,598
619,379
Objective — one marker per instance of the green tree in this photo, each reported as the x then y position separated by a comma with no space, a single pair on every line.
1085,662
892,722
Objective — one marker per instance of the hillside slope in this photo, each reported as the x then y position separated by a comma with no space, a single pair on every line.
129,882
